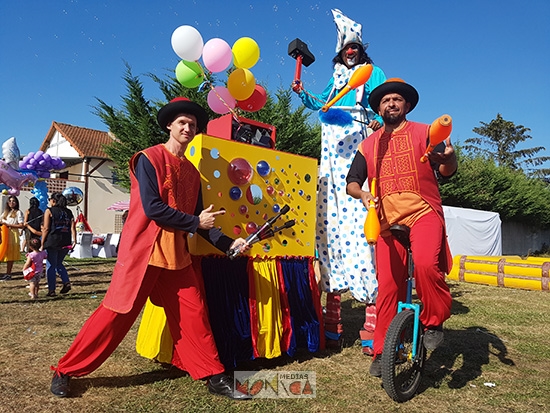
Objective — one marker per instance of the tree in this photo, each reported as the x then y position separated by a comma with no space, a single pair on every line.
498,140
135,126
480,183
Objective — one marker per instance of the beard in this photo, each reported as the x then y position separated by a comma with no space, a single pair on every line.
393,119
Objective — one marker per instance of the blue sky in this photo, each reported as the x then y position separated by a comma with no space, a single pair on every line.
471,59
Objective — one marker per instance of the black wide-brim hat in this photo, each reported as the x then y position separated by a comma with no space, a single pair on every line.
180,106
393,85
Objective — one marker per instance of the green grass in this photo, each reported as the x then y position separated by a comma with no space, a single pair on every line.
495,358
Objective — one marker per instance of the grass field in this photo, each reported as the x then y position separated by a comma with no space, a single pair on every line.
495,358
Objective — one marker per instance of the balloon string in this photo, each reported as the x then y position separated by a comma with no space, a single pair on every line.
235,116
233,113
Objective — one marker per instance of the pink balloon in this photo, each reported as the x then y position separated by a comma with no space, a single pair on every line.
220,100
216,55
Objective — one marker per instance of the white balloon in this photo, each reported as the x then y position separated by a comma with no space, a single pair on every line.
187,43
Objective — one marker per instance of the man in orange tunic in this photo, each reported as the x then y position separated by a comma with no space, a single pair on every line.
154,261
408,195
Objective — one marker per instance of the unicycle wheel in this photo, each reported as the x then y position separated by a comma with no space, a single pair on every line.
401,375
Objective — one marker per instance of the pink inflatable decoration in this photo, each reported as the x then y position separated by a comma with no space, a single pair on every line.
15,179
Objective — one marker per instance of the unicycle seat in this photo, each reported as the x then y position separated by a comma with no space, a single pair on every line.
402,234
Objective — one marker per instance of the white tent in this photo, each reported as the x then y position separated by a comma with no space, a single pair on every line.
473,232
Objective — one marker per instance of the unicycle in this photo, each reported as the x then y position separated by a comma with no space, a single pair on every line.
404,354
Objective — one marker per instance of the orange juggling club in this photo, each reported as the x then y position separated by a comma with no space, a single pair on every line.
358,78
372,223
440,129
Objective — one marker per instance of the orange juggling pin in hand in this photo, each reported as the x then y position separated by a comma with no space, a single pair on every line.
372,223
358,78
440,129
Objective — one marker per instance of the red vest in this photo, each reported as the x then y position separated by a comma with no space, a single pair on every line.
412,175
179,182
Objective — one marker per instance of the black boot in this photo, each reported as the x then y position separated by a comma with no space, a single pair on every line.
60,384
224,385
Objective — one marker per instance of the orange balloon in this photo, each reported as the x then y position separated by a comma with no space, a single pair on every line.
241,83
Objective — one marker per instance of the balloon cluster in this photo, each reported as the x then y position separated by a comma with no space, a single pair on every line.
31,170
42,163
40,192
241,89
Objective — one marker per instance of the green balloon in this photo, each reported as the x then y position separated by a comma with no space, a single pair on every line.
189,74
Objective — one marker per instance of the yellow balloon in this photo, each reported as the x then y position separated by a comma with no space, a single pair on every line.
241,84
245,53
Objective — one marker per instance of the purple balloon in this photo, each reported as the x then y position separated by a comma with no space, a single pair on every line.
38,155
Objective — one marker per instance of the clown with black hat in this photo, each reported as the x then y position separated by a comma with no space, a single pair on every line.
154,261
408,194
345,259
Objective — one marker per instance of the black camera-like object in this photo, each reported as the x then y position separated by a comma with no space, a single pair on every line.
243,130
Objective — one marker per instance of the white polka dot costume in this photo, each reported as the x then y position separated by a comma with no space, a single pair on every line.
346,259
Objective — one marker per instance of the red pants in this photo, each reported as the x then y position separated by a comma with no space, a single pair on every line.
427,238
181,293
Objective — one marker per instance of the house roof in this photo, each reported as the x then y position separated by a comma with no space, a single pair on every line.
87,142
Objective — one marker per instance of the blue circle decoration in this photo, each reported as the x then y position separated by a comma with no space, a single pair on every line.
235,193
214,153
263,168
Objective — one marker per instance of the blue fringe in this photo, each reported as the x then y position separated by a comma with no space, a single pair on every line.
336,117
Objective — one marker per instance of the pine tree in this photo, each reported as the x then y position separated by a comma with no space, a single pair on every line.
498,141
135,127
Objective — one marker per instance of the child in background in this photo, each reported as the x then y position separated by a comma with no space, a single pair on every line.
37,258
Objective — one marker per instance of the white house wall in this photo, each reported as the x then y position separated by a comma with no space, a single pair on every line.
102,193
61,148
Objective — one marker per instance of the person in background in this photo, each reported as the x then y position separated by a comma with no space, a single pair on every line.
34,217
154,261
345,257
35,256
58,238
13,218
408,194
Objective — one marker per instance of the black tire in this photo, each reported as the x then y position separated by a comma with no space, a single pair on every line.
401,375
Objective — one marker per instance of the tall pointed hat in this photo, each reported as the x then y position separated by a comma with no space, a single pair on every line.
347,30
